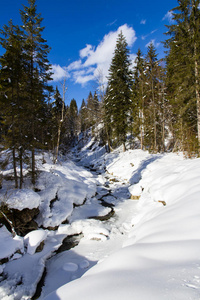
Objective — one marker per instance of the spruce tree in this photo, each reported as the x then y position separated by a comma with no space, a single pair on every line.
12,95
118,97
151,105
73,118
96,108
56,112
138,98
82,116
90,110
37,72
183,73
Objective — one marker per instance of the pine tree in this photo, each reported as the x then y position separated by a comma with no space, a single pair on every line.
38,74
138,98
118,98
151,105
73,118
96,108
12,91
56,116
83,116
90,110
183,73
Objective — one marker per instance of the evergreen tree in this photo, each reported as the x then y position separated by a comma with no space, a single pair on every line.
90,110
183,73
37,74
12,94
56,111
73,118
83,116
96,108
138,98
152,124
118,98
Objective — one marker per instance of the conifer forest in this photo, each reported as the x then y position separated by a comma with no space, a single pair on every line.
154,106
99,191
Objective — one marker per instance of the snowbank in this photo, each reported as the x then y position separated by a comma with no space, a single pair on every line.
9,245
21,199
33,239
160,259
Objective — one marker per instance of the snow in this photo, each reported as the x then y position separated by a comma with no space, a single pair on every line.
9,245
33,239
159,258
148,249
24,198
71,267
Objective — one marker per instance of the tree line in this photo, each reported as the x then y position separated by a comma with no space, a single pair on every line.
158,102
154,105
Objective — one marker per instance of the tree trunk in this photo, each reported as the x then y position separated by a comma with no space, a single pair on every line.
124,147
15,168
21,167
33,165
154,119
197,96
58,142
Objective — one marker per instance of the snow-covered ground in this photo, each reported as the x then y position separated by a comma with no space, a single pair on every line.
148,249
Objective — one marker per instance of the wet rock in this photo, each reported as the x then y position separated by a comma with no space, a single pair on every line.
104,218
69,242
40,247
21,220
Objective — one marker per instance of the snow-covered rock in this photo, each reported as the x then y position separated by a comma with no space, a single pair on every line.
21,199
33,239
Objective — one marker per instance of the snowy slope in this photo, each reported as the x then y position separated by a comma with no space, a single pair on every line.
149,248
160,259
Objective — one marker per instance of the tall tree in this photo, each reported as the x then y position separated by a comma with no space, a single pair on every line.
11,96
73,118
183,72
37,71
82,116
118,98
60,117
151,115
138,98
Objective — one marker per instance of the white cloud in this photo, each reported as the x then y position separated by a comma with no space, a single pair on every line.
59,72
168,16
132,58
82,78
85,52
143,22
75,65
94,59
153,42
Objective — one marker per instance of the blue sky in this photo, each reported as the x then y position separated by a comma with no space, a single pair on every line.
82,35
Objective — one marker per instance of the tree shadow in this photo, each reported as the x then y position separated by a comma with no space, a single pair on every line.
137,174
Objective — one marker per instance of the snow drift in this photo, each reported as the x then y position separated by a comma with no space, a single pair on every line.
160,259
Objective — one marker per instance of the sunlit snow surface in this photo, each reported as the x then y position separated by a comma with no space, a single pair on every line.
147,250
